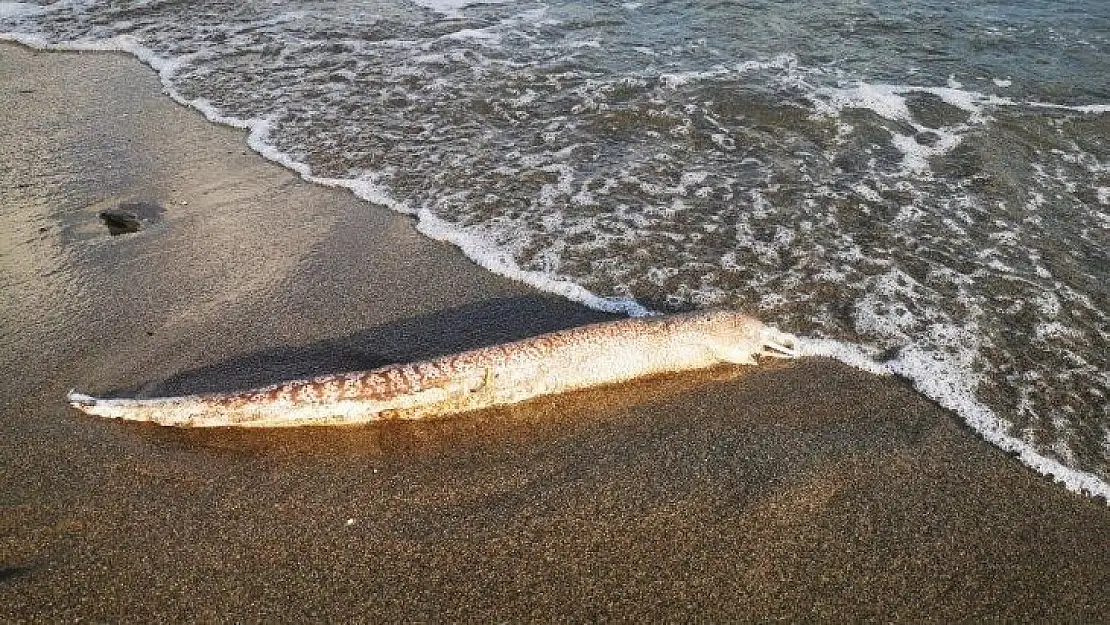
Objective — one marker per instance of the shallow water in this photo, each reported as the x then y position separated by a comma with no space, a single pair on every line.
924,183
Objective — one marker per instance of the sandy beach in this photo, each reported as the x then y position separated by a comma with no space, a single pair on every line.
802,490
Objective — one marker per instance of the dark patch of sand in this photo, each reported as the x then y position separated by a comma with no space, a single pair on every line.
801,490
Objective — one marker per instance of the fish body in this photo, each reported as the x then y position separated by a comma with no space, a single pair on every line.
558,362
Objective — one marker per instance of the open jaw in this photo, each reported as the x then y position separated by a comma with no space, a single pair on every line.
778,344
80,400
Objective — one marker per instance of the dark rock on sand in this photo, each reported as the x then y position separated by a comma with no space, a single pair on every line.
128,217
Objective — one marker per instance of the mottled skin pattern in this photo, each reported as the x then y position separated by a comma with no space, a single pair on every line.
558,362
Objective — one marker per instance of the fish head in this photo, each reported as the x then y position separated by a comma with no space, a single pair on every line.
738,338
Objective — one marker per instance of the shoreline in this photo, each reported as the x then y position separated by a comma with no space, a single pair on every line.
803,490
977,416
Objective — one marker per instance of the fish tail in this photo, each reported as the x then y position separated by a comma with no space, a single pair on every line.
163,411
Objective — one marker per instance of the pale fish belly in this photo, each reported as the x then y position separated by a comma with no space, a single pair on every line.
559,362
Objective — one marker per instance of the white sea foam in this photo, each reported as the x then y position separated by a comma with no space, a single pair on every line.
885,100
889,101
18,9
1090,109
678,79
847,353
484,36
453,7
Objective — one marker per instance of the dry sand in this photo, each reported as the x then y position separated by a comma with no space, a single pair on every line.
804,490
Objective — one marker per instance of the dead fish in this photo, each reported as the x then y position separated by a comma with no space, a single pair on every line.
558,362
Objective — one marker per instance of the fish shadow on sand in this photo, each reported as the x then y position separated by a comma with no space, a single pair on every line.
9,573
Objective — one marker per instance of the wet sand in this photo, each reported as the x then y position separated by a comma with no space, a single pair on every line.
800,490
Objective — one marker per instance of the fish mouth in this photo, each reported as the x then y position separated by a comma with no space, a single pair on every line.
778,344
80,400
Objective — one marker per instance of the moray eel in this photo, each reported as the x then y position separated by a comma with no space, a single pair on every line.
568,360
